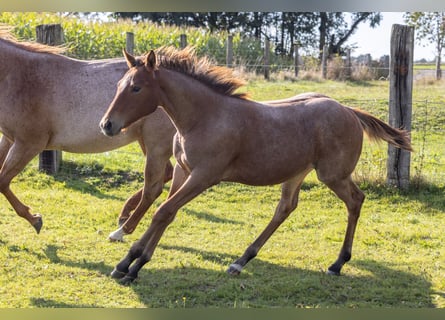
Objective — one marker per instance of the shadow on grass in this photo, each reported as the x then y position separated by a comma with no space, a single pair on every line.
430,195
48,303
91,178
209,217
264,284
51,253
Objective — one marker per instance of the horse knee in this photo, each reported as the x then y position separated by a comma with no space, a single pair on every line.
284,209
163,217
152,192
4,185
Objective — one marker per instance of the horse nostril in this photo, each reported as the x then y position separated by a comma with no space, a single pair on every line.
106,126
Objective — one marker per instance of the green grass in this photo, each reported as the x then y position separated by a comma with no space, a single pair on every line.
398,255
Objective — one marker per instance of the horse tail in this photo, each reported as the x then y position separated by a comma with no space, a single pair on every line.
377,129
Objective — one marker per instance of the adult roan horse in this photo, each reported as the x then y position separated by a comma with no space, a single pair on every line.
50,101
223,136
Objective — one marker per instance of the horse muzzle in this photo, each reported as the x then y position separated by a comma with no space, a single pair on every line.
109,128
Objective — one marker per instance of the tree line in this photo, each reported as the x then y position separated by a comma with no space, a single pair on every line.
310,30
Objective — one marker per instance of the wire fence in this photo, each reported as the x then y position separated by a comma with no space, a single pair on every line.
427,161
428,140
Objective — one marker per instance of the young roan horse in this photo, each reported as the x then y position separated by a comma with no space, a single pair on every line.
223,136
50,101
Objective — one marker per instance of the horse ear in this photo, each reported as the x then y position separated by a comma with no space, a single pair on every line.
131,61
150,61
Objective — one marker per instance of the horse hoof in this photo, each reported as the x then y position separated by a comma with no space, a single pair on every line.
234,269
126,281
333,272
116,236
38,225
116,274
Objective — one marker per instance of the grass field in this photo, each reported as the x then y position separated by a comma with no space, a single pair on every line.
398,255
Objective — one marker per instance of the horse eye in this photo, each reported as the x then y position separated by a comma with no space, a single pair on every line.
135,89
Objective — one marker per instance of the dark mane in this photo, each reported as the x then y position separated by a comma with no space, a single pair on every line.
6,35
186,61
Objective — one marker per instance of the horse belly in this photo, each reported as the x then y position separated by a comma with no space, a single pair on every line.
266,171
95,142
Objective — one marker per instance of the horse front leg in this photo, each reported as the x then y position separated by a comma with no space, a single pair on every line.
154,176
17,157
5,145
132,202
142,250
129,206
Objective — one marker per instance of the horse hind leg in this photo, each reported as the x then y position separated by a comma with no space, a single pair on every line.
17,157
353,197
289,200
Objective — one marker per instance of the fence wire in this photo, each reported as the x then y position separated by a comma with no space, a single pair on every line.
427,161
427,137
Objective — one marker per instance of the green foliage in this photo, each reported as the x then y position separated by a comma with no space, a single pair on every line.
397,258
398,251
98,40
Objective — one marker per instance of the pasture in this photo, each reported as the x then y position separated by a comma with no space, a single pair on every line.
398,256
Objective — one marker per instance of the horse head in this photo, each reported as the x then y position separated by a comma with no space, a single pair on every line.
137,94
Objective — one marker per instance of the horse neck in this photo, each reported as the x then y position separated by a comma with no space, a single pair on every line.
186,100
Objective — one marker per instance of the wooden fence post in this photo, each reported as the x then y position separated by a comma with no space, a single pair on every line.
296,58
50,34
183,41
324,62
229,52
266,59
129,42
400,101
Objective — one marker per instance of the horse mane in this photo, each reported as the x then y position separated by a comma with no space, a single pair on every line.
202,69
5,34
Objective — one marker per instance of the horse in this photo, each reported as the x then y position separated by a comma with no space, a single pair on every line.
50,101
222,135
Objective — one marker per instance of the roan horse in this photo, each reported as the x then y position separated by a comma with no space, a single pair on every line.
50,101
223,136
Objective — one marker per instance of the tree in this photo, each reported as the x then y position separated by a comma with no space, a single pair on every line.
285,28
430,27
335,30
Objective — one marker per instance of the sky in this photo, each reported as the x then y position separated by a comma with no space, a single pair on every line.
377,41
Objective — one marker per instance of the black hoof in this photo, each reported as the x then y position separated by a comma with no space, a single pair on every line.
38,225
116,274
234,269
126,281
333,271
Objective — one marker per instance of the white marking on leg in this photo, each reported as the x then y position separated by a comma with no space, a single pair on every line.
117,235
